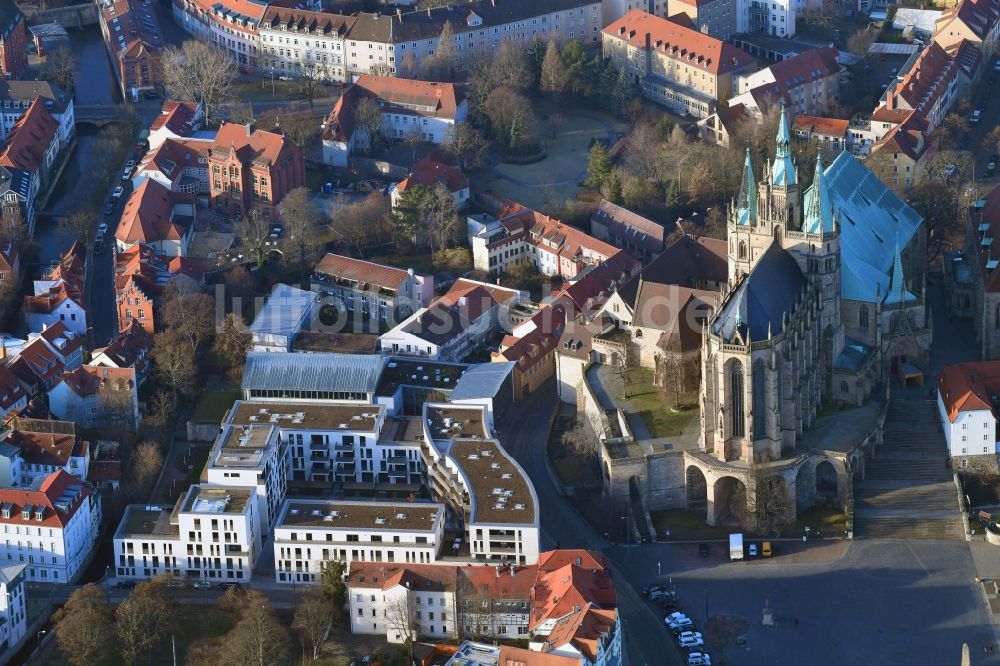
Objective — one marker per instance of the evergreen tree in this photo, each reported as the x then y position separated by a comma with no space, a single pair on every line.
598,165
578,68
536,55
622,93
613,188
553,79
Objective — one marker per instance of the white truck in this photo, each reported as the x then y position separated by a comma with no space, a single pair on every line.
735,547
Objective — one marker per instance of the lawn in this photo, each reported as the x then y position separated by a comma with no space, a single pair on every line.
573,469
686,526
647,400
831,521
421,262
212,405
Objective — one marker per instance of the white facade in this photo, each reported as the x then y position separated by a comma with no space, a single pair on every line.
233,32
378,612
252,456
775,18
310,533
214,537
13,606
53,544
87,409
972,433
68,311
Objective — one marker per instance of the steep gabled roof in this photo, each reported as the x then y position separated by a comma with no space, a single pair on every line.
58,497
966,387
148,215
30,138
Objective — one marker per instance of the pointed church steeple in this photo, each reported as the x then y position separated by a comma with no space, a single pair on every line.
746,203
819,211
783,169
896,293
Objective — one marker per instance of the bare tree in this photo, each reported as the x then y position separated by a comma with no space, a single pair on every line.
83,626
312,77
201,72
232,342
473,610
142,619
174,359
368,118
79,223
440,216
254,234
258,638
859,43
467,146
401,617
553,78
768,507
60,68
302,219
313,619
362,224
191,314
116,404
144,466
441,65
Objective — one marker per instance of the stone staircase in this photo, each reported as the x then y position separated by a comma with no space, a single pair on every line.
908,491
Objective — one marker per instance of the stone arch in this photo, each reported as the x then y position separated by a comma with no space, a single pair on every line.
730,501
826,479
777,233
696,489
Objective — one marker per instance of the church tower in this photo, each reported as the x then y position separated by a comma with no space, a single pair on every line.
743,225
784,206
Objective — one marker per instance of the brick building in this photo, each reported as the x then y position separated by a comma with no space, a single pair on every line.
251,170
13,41
132,34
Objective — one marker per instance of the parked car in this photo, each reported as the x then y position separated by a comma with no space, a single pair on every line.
699,659
752,550
650,589
691,642
102,228
996,65
976,116
109,208
99,245
668,604
681,624
245,69
991,166
703,549
176,582
765,549
119,191
203,585
674,616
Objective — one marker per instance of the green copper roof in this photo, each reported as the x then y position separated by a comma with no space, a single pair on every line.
746,203
818,209
783,170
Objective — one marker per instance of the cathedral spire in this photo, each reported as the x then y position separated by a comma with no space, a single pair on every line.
896,293
746,203
783,169
819,212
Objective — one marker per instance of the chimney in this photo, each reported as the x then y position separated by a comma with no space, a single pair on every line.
399,13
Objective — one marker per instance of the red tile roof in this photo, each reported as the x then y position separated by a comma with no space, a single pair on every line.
696,49
507,584
361,271
45,497
966,387
515,656
38,359
88,380
44,448
979,15
399,96
176,116
799,70
909,137
251,144
140,29
60,338
428,173
147,217
11,390
130,347
30,137
417,577
569,580
174,155
819,125
926,81
56,295
301,20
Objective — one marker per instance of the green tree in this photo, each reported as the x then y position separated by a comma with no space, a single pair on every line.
334,587
613,188
406,215
536,55
598,165
622,92
553,77
579,68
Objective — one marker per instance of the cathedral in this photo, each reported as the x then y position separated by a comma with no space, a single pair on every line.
825,302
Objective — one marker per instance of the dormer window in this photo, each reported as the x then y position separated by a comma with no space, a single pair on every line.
39,513
26,512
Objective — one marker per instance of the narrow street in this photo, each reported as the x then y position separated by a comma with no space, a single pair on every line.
647,641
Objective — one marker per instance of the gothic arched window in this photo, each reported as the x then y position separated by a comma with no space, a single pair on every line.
863,317
743,250
759,387
736,397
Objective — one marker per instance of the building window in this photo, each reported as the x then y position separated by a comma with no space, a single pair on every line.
736,397
863,317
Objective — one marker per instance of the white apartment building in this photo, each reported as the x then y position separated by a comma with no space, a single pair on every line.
16,97
13,605
230,25
310,533
486,489
212,534
967,400
45,453
397,600
252,456
775,18
300,42
51,527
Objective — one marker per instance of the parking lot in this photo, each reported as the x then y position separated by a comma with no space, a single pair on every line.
870,602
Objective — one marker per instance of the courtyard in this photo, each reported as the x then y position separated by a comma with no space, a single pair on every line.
547,184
